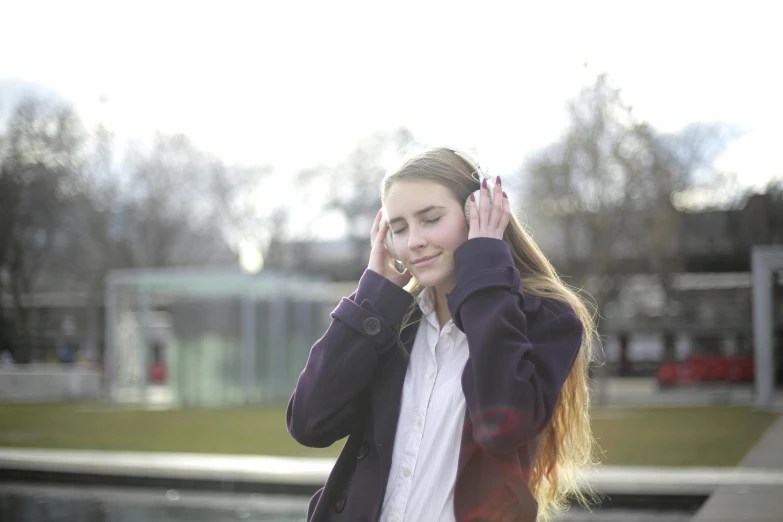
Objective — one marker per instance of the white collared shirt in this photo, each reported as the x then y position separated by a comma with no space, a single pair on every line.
420,485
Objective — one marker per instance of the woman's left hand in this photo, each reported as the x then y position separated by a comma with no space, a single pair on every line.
490,220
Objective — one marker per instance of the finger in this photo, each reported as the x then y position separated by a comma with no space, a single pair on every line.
484,206
383,233
376,226
496,211
474,217
378,240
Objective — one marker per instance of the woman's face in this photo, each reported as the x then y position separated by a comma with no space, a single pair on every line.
428,225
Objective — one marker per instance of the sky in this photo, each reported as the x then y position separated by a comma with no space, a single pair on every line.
296,84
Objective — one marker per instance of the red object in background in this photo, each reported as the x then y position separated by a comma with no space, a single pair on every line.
157,373
666,372
741,369
706,368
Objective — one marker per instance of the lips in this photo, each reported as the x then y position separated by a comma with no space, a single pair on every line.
424,261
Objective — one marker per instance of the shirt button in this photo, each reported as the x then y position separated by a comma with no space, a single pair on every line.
419,423
432,375
406,472
340,505
372,326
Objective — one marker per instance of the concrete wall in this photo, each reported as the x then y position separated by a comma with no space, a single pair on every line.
48,382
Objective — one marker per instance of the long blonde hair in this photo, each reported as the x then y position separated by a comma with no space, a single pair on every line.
566,447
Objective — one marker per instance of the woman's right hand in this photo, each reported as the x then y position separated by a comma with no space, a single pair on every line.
380,260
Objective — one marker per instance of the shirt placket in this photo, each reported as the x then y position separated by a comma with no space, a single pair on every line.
411,454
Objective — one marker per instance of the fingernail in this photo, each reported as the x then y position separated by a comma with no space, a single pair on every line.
472,197
505,195
498,180
484,183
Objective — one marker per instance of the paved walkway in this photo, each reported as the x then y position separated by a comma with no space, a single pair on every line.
297,471
750,501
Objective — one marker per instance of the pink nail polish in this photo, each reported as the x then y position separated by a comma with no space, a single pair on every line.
505,195
484,183
472,197
498,180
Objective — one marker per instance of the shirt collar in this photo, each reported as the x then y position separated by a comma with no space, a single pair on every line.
427,301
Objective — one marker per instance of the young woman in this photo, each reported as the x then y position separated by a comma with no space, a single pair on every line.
461,383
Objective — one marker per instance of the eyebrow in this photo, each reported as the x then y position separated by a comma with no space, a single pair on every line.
417,213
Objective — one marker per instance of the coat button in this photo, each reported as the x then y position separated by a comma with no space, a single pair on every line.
340,505
363,451
372,326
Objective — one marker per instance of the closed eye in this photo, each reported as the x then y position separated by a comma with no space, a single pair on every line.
403,229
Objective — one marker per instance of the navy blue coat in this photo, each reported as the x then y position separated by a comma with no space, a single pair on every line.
521,350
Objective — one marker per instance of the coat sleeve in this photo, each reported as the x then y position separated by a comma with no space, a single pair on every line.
341,364
519,360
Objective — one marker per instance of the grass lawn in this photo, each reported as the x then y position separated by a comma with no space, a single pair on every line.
699,436
709,436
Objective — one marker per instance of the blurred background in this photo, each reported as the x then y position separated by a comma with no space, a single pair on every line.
187,189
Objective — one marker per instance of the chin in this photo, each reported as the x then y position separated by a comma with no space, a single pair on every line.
431,278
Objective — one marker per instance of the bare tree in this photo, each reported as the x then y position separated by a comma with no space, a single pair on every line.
40,152
172,193
608,185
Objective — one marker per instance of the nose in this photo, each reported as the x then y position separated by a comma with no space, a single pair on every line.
416,239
